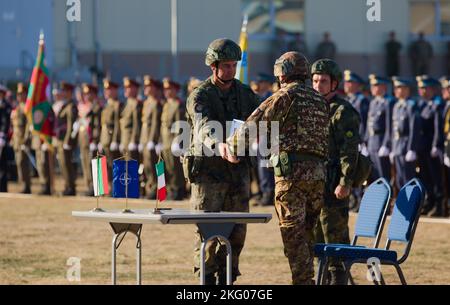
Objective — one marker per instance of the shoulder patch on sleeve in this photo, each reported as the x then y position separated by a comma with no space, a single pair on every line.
349,134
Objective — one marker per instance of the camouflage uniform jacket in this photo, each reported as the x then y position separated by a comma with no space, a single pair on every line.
344,140
208,103
303,117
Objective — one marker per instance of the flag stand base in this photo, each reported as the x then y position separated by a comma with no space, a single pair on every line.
97,210
156,211
127,211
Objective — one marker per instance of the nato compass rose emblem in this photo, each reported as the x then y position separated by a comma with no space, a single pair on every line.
124,179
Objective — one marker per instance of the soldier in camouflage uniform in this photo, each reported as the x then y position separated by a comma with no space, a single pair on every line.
217,185
110,126
342,154
150,132
299,166
130,120
89,132
21,139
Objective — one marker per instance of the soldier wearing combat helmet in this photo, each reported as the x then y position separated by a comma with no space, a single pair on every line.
217,185
299,163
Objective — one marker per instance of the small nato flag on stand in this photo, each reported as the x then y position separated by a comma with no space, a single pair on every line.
125,179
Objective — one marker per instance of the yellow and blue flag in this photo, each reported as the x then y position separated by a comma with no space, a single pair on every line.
242,68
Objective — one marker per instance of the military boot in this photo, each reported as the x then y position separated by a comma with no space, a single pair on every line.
26,190
210,279
267,199
222,278
45,191
436,211
338,277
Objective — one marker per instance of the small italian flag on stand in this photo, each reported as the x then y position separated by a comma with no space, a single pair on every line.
162,191
100,178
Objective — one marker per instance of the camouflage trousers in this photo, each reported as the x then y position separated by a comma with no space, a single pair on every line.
220,196
332,227
298,204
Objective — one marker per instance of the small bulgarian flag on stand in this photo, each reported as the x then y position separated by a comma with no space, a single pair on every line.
100,178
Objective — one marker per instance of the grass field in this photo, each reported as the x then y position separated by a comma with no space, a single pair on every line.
39,235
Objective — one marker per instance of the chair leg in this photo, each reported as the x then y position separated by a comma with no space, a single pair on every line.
347,268
350,277
325,272
400,274
319,270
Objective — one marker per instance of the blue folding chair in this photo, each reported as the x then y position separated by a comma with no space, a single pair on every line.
371,217
402,228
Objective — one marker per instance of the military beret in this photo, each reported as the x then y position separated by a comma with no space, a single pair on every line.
350,76
148,81
378,80
109,84
401,82
63,85
128,82
426,81
167,83
89,88
445,82
22,88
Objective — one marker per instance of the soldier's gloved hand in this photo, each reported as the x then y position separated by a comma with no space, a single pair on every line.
363,150
100,147
176,149
23,147
66,147
383,152
447,161
140,147
132,146
121,148
150,145
411,156
2,142
114,146
158,148
255,147
436,153
92,146
391,157
44,147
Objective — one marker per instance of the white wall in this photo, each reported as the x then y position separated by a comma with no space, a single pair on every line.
346,21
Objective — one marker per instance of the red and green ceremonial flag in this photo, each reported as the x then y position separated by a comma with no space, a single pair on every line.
162,191
100,176
37,108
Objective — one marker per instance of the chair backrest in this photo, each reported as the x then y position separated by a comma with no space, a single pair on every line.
406,215
372,211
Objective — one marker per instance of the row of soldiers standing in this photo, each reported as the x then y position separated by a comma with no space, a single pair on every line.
404,136
139,130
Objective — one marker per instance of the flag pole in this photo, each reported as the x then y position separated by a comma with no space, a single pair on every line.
127,210
157,210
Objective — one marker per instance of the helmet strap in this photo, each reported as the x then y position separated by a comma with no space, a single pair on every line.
216,74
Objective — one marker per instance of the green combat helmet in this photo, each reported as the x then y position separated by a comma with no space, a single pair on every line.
222,49
329,67
290,64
